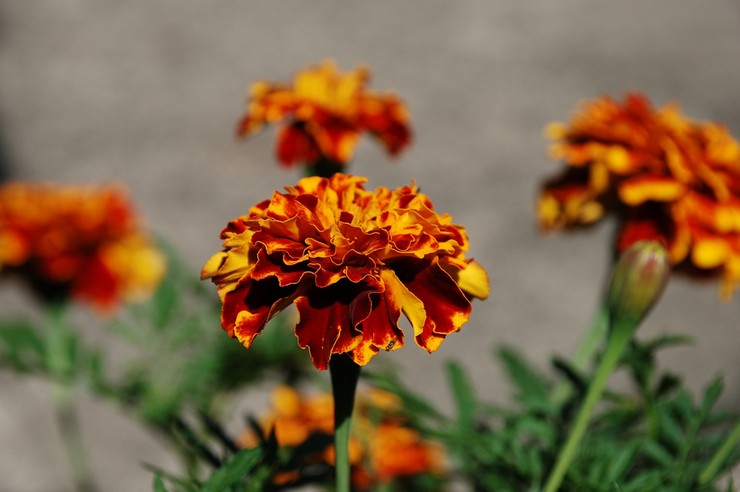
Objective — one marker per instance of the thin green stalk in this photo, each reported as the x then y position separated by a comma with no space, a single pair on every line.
585,352
344,376
592,341
69,428
323,167
617,343
720,456
63,400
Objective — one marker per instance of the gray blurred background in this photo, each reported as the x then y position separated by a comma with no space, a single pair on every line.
147,92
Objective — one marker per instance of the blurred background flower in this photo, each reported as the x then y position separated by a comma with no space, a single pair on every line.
666,177
83,242
323,114
383,447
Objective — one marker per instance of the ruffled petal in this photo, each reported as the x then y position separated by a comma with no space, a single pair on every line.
447,308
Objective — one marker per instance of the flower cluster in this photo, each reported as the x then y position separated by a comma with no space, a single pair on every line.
80,241
382,448
324,113
666,177
352,261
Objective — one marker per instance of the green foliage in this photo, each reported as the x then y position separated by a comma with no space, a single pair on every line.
654,438
178,332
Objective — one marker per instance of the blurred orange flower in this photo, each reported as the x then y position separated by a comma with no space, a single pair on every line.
82,241
352,261
382,447
324,112
666,177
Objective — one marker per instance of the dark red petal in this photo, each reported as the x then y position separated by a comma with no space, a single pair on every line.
248,308
327,319
273,266
447,308
295,145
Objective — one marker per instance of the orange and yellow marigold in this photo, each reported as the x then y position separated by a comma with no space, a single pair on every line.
383,448
82,241
665,176
352,261
324,112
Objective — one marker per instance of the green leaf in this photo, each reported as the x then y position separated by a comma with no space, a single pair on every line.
657,453
413,404
619,464
165,303
711,395
22,346
158,484
463,394
182,484
233,471
532,388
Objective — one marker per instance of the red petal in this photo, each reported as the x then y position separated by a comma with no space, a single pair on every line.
447,308
328,320
248,308
295,145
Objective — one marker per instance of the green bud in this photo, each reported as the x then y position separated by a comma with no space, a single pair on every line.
637,282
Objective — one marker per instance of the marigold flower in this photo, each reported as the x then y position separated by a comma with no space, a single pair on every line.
82,241
382,447
352,261
666,177
324,113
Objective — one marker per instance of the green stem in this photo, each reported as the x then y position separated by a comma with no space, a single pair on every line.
324,167
720,456
592,341
584,353
617,343
69,428
63,399
344,376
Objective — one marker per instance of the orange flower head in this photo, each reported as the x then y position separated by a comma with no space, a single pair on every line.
79,241
666,177
324,112
382,447
352,261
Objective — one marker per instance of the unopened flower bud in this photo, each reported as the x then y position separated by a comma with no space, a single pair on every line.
637,282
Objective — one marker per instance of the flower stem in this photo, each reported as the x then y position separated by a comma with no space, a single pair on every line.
65,411
344,376
709,473
592,341
323,167
585,351
617,343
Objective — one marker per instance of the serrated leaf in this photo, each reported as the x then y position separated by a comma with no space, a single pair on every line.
532,388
